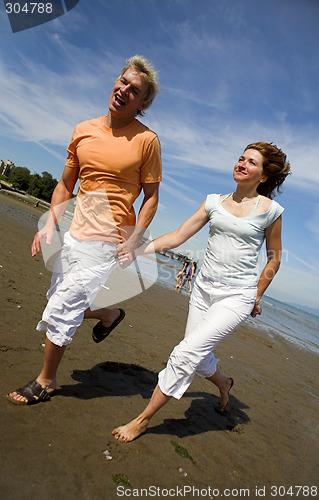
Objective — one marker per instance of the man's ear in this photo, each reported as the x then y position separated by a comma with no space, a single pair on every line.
142,106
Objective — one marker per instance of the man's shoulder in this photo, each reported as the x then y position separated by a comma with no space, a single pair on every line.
142,128
87,124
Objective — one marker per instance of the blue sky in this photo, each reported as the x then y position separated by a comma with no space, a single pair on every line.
231,72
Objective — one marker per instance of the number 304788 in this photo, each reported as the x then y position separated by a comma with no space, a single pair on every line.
294,491
29,8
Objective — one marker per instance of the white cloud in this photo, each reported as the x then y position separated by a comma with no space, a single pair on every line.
179,195
217,145
307,264
39,104
182,186
41,108
313,225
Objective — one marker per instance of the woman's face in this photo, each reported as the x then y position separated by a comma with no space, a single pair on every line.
249,168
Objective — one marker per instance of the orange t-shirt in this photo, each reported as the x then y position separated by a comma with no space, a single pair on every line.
112,164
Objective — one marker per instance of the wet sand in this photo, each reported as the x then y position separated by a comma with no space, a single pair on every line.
54,450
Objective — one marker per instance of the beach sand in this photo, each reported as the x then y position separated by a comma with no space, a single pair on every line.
267,438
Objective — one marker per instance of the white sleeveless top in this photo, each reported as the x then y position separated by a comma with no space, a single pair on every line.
234,243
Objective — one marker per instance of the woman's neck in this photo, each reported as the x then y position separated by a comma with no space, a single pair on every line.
242,194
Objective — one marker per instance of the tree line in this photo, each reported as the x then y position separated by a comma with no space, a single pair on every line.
39,186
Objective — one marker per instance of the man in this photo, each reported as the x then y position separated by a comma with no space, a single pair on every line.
114,157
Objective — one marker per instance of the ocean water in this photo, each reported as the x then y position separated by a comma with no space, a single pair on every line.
277,318
294,324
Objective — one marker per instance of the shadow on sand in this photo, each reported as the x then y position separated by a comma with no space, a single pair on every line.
121,379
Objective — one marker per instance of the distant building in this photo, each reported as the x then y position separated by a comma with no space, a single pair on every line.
173,255
6,167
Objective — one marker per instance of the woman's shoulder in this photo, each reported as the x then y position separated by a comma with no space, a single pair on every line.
272,204
264,204
212,200
270,208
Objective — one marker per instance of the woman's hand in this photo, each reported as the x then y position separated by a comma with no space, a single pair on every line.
256,310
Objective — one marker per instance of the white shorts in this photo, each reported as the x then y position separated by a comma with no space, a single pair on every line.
215,311
79,272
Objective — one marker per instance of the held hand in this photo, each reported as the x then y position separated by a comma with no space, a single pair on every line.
256,310
44,234
125,257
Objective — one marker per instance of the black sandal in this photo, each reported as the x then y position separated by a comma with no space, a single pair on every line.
33,392
100,332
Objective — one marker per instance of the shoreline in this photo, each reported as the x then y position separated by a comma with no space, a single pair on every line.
54,450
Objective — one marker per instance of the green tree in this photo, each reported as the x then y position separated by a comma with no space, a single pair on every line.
20,178
42,186
35,186
49,184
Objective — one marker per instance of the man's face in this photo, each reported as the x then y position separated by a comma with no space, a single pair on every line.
128,94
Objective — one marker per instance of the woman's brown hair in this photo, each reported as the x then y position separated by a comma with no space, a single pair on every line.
275,167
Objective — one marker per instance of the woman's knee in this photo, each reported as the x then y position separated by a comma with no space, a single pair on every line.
184,354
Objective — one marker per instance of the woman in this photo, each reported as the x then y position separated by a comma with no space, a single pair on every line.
190,275
181,275
227,289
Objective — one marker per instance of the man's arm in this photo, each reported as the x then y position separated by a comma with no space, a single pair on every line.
60,198
145,216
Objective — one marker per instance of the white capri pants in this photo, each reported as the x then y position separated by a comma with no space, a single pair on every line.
215,311
82,267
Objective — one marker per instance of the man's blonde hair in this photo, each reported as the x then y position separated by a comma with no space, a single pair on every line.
149,75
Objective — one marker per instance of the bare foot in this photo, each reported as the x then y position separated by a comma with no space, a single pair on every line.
224,393
130,431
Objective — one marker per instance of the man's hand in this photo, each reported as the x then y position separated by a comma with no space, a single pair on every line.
125,254
44,234
256,310
60,198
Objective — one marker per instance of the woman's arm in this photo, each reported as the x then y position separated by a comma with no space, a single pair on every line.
170,240
273,248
